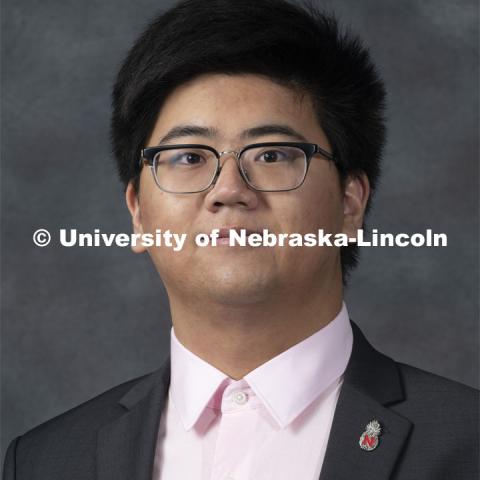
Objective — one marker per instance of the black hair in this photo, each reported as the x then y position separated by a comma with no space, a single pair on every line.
299,46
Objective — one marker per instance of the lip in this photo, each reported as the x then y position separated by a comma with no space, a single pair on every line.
224,232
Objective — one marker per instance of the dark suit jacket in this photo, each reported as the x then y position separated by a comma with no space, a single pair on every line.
430,428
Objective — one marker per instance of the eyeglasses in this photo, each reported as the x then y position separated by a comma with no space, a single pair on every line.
266,167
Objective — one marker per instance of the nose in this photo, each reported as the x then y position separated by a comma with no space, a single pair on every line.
230,189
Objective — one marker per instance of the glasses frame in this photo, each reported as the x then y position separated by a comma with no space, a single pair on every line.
147,157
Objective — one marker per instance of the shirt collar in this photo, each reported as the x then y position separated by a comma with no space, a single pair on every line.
307,369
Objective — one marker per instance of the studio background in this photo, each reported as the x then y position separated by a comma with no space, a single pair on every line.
77,321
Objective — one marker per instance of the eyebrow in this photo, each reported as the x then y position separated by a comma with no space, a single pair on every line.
263,130
251,133
187,131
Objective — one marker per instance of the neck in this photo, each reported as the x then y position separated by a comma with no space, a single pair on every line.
236,339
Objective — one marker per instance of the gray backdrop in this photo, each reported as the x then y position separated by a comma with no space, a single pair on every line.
76,322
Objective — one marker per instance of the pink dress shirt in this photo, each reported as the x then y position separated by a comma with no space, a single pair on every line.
272,424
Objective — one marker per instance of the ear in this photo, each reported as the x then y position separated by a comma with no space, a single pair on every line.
355,197
133,205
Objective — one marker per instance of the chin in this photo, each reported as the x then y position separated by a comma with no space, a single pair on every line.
234,287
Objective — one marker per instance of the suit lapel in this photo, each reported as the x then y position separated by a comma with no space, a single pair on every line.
371,382
126,447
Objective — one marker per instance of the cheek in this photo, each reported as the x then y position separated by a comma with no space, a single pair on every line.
326,199
327,210
151,212
155,205
315,207
163,211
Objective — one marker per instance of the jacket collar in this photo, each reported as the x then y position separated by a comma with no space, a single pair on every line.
372,382
126,446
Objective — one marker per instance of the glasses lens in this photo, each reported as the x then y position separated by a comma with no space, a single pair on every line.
274,167
184,170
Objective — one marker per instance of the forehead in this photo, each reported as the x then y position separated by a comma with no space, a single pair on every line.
233,103
214,89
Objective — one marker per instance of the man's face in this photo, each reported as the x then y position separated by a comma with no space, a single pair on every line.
229,106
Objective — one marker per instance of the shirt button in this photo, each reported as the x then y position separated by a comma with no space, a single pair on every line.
240,398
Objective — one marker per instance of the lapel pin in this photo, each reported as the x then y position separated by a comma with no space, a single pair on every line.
369,438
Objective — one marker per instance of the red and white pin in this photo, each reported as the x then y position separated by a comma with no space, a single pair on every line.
369,438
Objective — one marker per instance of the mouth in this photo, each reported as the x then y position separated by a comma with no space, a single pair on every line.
224,232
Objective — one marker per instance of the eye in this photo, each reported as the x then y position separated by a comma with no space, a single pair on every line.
186,158
275,156
270,156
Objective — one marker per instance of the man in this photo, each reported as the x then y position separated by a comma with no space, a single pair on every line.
255,115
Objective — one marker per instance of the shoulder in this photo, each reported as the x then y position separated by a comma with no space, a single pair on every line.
424,389
437,404
70,433
445,418
406,386
92,413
